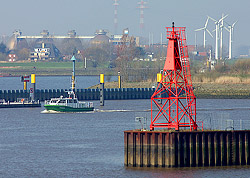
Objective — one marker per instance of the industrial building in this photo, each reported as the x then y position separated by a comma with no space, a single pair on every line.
43,46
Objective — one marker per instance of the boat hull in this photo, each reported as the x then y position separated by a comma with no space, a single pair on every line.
67,108
19,105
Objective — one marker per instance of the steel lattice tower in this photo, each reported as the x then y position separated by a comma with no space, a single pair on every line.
178,102
142,7
116,4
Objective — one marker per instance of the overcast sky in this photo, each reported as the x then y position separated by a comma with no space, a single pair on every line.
86,16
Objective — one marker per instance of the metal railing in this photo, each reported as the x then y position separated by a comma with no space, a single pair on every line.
222,121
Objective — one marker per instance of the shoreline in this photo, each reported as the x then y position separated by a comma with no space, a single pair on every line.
201,90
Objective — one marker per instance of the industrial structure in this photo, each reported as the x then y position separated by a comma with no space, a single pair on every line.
43,46
45,34
230,30
110,38
175,104
219,28
142,7
204,31
17,37
178,106
101,37
116,4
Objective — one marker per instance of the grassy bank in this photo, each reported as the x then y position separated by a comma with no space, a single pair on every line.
201,90
48,68
218,90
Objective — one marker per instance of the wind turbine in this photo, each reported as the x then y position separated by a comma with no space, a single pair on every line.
221,36
217,23
204,31
230,30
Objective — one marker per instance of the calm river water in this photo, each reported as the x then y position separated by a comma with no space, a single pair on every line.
52,82
35,144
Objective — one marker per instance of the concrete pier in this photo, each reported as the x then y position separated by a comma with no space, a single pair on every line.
186,149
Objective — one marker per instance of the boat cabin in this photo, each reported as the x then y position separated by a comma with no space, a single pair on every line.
70,102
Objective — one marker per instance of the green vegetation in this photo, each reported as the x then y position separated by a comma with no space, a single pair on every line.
49,68
235,71
27,65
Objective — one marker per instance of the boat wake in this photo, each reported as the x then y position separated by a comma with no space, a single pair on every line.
121,110
112,110
95,110
49,112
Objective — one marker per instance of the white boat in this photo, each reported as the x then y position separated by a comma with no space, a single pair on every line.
70,104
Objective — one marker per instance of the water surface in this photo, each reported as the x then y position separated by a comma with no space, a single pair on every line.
33,144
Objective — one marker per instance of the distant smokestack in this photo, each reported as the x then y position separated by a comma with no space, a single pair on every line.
142,7
115,15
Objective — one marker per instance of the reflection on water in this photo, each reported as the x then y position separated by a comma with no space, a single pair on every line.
194,172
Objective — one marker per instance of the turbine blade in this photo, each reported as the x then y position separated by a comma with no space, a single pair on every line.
227,28
223,18
209,33
234,24
212,19
200,29
206,23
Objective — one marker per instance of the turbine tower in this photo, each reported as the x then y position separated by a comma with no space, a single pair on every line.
221,36
205,30
217,25
230,30
115,15
142,7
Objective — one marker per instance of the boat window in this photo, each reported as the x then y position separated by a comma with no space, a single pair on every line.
70,101
62,101
53,101
75,101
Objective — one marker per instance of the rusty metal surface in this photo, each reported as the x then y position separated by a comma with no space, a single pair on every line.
186,149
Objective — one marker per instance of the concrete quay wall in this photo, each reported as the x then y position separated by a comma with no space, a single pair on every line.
82,94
